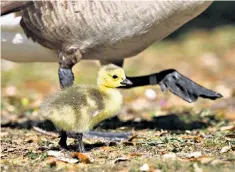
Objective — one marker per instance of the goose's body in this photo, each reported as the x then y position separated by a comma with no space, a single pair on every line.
107,30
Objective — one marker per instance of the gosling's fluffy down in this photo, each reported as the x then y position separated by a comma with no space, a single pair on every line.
79,108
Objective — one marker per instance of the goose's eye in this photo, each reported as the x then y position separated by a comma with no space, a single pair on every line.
115,76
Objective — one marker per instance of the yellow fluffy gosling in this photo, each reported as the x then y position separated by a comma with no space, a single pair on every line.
79,108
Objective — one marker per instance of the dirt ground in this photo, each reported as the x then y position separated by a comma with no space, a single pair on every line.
167,134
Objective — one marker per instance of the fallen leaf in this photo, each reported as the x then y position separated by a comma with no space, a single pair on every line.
51,161
82,157
225,149
228,128
144,167
135,154
62,157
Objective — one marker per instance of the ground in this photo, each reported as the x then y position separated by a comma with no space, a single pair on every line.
167,134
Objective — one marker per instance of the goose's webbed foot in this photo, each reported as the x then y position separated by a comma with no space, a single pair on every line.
184,87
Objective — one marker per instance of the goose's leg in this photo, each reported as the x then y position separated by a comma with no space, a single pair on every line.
67,59
63,139
177,83
66,77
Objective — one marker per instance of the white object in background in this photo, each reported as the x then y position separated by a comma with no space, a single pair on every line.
150,94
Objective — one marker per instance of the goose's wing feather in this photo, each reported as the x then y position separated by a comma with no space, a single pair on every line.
12,6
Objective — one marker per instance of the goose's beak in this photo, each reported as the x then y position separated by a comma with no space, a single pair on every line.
126,82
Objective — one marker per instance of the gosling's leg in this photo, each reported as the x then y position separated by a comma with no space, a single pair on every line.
63,139
79,142
68,57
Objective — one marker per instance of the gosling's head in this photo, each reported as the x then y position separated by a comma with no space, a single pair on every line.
112,76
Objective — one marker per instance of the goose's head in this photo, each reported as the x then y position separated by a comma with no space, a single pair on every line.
112,76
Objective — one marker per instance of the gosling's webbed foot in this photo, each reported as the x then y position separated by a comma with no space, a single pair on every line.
63,140
113,136
183,87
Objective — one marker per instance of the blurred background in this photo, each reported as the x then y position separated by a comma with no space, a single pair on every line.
203,50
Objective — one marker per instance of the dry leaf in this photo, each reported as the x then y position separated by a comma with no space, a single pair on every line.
196,138
228,128
82,157
135,154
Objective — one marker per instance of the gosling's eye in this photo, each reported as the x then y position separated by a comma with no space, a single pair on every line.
115,76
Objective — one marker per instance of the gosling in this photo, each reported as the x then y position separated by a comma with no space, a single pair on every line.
78,109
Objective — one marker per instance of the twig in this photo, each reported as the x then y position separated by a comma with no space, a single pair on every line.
45,132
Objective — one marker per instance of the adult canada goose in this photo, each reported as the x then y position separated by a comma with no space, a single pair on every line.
108,31
79,108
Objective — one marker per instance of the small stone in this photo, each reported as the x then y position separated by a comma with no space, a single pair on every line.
144,167
194,155
225,149
170,155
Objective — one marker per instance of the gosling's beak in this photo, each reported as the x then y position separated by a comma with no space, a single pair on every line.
126,82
